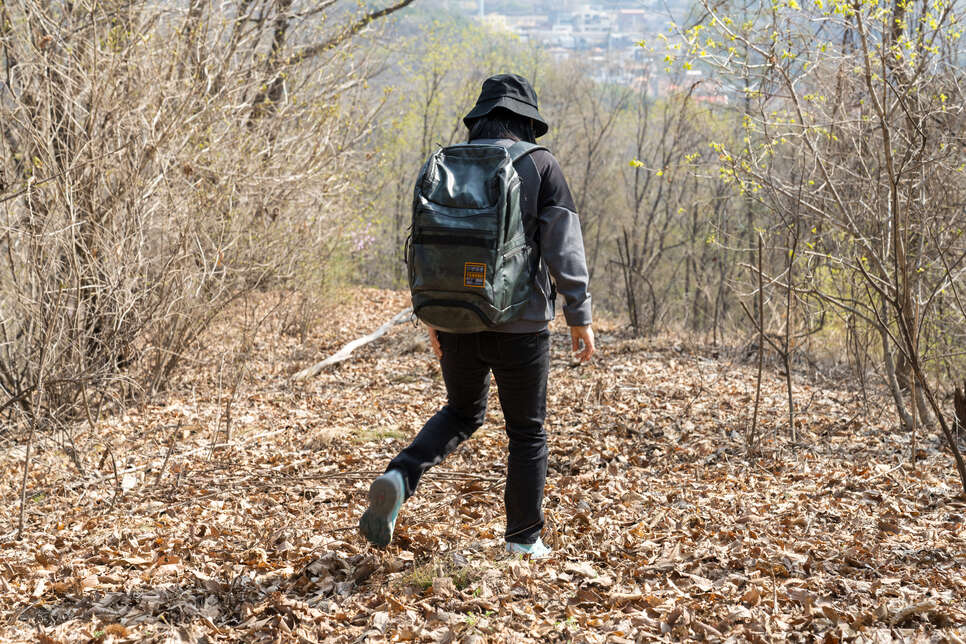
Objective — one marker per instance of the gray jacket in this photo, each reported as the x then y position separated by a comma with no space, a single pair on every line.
550,218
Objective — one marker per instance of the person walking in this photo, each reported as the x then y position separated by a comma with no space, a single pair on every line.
517,353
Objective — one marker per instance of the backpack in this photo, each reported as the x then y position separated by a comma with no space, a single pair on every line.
470,263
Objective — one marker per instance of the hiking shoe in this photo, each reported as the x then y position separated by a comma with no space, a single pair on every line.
536,550
386,495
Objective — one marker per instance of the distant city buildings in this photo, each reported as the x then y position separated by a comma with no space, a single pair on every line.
606,35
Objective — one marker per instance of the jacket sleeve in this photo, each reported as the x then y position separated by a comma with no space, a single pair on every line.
561,242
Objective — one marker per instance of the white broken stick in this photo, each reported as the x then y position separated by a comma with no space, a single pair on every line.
347,350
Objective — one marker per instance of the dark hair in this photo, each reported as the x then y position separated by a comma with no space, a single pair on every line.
501,123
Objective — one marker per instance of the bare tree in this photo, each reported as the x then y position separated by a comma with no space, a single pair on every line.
857,141
157,162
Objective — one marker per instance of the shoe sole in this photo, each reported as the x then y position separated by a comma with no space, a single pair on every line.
374,523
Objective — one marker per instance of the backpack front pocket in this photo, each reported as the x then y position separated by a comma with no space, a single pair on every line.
454,267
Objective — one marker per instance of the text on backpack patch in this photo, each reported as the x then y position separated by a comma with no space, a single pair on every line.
474,275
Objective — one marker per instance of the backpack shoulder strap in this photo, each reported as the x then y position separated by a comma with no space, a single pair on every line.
522,148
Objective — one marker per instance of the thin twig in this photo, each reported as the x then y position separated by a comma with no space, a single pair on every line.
364,474
167,456
787,350
117,480
752,436
26,471
183,455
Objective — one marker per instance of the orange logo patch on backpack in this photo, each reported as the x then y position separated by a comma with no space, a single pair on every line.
474,275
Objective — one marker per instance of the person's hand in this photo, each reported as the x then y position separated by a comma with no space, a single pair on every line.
582,335
434,342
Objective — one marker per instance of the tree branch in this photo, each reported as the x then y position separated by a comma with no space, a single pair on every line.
311,51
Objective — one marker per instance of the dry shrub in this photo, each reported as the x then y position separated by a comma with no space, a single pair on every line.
156,164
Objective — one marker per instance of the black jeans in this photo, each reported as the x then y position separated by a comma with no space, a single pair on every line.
520,362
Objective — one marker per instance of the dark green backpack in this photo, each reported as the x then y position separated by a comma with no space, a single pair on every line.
470,263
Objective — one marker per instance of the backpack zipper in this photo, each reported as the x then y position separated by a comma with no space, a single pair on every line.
453,230
440,209
453,237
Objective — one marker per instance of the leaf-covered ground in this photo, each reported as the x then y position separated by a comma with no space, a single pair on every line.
662,527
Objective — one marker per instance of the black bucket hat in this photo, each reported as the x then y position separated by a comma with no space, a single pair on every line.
511,92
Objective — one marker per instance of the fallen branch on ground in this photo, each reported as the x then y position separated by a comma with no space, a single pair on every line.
368,474
347,350
175,458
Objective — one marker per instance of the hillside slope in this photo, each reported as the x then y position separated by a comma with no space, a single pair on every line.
661,525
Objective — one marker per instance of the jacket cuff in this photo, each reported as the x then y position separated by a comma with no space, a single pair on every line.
578,313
